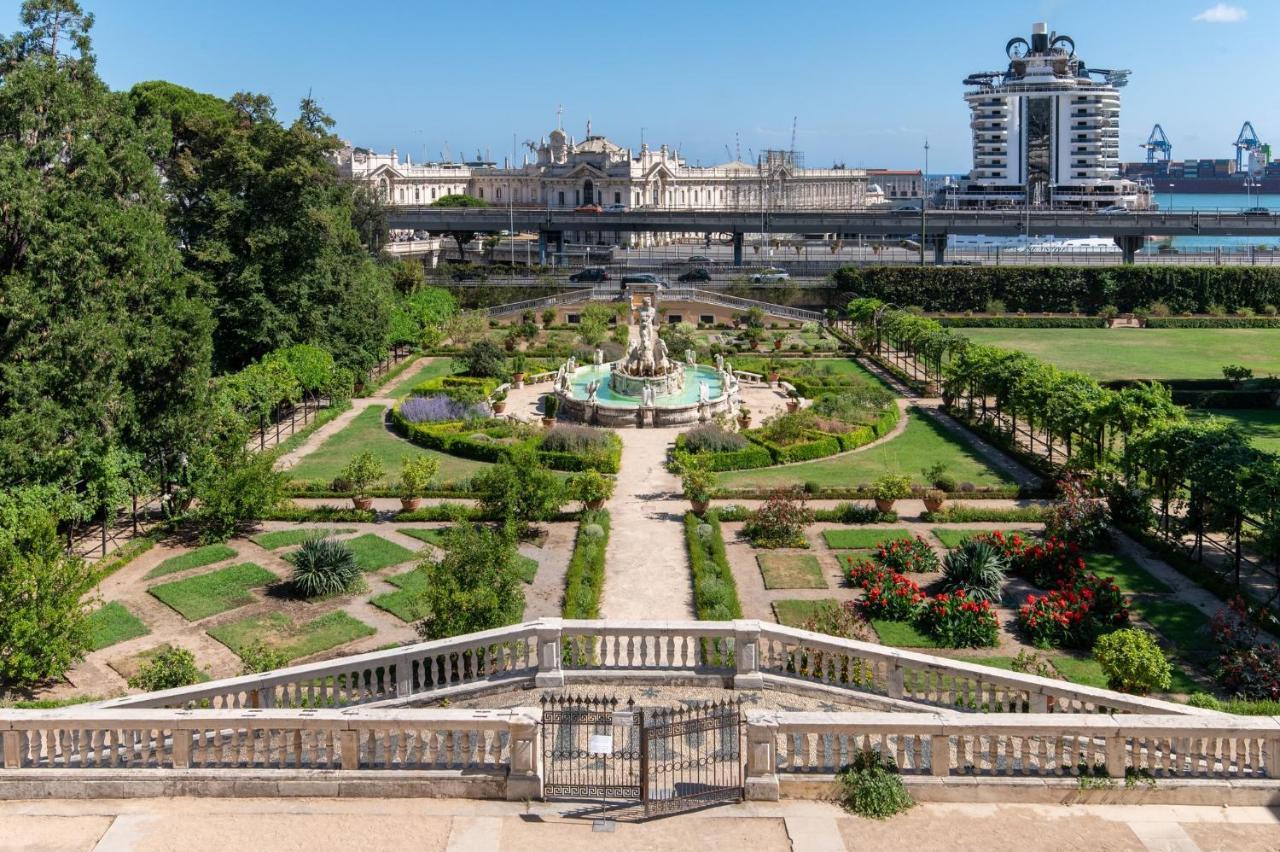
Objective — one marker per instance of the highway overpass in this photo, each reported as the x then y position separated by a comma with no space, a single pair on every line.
1129,230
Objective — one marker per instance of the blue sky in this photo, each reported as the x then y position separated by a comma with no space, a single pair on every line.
868,81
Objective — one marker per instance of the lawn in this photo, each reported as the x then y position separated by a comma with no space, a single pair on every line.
842,367
1260,425
955,538
287,538
367,432
527,567
1129,575
1128,353
861,539
197,558
433,536
923,444
279,632
112,623
209,594
900,634
1186,627
795,613
432,369
405,603
1087,672
373,552
791,571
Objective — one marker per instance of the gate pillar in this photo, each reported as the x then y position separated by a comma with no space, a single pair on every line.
524,779
549,671
746,655
761,782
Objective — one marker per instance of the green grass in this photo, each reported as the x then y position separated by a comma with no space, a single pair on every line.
900,634
432,369
791,571
367,432
527,567
1088,672
435,536
1174,353
1005,663
1129,575
862,539
923,444
405,603
112,623
287,538
795,613
955,538
1260,425
279,632
197,558
373,552
837,367
1186,627
209,594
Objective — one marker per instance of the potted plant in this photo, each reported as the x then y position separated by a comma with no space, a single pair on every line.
934,498
697,480
592,488
511,339
793,401
550,405
773,366
779,337
499,402
362,472
889,488
416,477
744,417
548,317
518,365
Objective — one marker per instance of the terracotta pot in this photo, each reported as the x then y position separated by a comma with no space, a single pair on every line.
595,505
700,506
883,506
777,344
518,380
410,504
793,405
362,503
773,377
744,422
499,407
933,505
755,344
548,422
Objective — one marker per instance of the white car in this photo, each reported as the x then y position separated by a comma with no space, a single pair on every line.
770,275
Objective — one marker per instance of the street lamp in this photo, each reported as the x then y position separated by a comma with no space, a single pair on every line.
924,202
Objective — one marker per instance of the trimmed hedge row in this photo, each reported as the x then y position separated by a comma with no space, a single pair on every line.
1021,322
819,446
584,579
1065,289
715,594
763,453
747,458
1213,322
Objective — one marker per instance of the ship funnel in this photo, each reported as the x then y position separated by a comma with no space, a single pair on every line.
1040,28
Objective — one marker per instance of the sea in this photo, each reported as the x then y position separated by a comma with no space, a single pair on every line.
1223,202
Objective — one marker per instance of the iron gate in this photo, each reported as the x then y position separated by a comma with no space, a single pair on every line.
667,759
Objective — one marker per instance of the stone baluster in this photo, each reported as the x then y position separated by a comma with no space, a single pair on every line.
12,759
761,782
1115,756
524,778
1270,757
550,673
895,681
940,755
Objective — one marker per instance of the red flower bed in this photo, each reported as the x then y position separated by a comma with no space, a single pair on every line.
907,554
888,594
1074,614
1247,667
958,622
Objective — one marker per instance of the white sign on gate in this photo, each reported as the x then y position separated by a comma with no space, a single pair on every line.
600,744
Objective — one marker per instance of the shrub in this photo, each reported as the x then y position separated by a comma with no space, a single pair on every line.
1236,374
891,487
590,487
244,487
715,594
485,359
780,522
870,786
362,472
907,554
323,567
1029,662
1049,563
1132,661
887,594
474,586
958,621
437,408
1247,667
1076,515
575,439
696,478
417,473
1158,309
169,669
584,579
787,429
520,491
850,513
713,438
1108,312
257,657
842,621
592,531
975,568
1075,614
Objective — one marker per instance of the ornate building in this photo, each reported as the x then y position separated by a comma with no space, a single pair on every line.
571,174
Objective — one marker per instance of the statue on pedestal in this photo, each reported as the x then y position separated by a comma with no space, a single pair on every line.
703,391
690,357
648,397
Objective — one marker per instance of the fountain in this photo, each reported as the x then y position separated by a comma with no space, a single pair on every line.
647,387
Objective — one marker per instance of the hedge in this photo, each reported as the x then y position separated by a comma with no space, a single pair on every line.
1021,322
713,584
1213,322
747,458
1065,289
584,579
763,453
819,446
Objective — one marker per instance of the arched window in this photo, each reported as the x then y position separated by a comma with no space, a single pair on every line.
588,191
382,189
417,194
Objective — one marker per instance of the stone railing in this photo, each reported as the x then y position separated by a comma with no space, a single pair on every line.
743,654
784,747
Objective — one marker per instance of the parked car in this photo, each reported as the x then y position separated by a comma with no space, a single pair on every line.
642,278
590,275
699,274
615,208
770,275
699,258
589,208
1113,209
1256,211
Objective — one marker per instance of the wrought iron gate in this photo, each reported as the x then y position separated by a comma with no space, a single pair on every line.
667,759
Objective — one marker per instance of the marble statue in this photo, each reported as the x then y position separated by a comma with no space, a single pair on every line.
648,397
690,357
719,362
599,357
704,391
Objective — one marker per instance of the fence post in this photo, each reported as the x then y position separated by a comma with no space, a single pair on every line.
524,778
181,748
350,745
895,686
550,673
1115,756
12,760
746,655
761,783
940,755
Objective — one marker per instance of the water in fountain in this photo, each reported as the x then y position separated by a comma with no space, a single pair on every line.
648,365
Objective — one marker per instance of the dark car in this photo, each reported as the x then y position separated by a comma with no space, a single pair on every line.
695,275
642,278
1256,211
590,275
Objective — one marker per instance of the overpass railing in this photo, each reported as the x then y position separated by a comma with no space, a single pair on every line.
568,297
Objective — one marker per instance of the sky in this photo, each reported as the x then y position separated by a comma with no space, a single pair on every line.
866,83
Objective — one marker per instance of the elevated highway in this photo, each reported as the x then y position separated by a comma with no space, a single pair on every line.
1129,230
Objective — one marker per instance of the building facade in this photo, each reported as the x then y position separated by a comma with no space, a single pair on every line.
1046,131
564,173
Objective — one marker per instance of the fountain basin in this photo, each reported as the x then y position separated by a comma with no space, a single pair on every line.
617,407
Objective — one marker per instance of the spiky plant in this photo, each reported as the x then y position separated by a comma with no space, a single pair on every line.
324,566
976,568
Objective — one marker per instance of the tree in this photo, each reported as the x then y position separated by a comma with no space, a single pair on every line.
474,586
460,237
485,359
520,491
233,489
593,326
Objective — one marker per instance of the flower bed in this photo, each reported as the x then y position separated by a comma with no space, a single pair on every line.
1074,614
956,621
907,554
888,594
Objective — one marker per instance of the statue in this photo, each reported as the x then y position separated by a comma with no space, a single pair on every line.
690,357
592,388
648,397
704,391
648,362
599,357
719,362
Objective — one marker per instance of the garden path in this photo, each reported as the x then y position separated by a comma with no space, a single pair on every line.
337,424
647,570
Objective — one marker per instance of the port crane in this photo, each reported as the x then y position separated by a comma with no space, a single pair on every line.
1158,145
1245,142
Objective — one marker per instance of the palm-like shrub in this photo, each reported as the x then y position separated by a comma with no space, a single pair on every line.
976,568
324,566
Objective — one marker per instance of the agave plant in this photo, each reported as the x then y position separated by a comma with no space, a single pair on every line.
324,566
976,568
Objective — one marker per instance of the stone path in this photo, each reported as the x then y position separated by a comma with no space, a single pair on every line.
337,424
454,825
647,573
